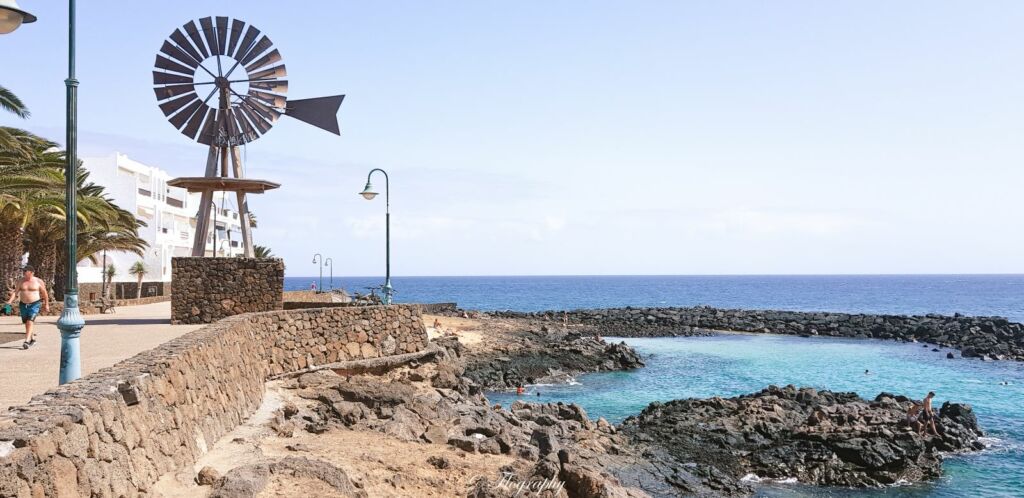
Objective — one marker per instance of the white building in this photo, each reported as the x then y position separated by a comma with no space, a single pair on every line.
169,214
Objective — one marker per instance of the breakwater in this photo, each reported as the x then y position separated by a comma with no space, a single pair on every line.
993,338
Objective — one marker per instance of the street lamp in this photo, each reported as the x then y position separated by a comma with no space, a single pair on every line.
368,194
12,17
330,263
320,286
70,322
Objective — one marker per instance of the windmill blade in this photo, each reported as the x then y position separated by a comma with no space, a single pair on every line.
178,55
193,34
321,112
274,72
166,92
179,38
171,106
211,36
236,32
269,99
257,120
264,110
264,61
210,127
271,86
165,63
258,48
222,35
179,119
245,129
169,78
246,46
194,122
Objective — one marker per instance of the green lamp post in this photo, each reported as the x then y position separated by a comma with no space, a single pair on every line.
70,322
369,194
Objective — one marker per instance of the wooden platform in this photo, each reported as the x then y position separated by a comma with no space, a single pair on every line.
203,184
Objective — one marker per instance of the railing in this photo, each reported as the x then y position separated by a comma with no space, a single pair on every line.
145,192
175,202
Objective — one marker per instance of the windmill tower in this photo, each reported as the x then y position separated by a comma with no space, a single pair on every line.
221,84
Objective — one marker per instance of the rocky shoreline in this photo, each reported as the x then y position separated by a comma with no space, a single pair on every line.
988,338
534,353
439,436
420,425
817,437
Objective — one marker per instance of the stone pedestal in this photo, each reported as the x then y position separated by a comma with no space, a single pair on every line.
204,290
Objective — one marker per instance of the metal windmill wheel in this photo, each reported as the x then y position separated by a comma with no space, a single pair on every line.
234,62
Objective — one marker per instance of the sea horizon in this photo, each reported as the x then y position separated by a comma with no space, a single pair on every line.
912,294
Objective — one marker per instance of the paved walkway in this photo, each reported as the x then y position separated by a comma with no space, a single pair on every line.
106,340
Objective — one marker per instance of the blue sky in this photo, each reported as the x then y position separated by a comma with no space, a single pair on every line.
596,137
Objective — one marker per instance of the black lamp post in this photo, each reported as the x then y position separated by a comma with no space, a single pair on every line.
330,263
320,265
368,193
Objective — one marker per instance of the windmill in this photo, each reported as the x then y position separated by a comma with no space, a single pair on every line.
221,84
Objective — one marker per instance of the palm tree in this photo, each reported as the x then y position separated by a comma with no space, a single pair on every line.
262,252
109,273
11,103
139,270
32,213
24,179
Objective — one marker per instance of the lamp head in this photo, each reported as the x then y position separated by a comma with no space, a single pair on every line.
368,192
12,17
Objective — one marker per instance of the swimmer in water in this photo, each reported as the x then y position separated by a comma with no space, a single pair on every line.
867,372
520,390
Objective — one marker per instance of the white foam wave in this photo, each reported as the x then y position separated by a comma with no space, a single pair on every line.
754,479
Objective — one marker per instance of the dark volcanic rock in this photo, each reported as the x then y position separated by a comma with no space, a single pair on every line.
976,336
548,356
825,438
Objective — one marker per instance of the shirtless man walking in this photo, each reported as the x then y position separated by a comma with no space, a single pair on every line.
32,295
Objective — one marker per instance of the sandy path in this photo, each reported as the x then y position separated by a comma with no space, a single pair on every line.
106,340
386,466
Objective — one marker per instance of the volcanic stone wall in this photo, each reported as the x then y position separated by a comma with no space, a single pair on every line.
114,432
983,337
204,290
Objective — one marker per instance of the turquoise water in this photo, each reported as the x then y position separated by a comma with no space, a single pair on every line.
728,365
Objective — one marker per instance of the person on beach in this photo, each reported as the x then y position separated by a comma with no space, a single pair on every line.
32,295
928,414
312,286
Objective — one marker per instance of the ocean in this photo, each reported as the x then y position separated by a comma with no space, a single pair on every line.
732,364
1001,295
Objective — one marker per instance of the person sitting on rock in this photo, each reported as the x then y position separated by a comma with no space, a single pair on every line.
913,419
928,414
